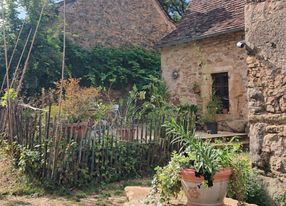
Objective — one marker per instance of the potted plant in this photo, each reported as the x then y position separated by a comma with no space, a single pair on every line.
200,169
79,105
129,109
210,117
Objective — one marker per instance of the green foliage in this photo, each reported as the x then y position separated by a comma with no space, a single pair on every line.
30,162
9,95
113,67
130,106
156,103
45,61
167,179
125,166
281,198
213,107
175,8
114,161
245,185
204,157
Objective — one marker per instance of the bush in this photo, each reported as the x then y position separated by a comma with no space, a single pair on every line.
116,67
30,162
246,179
78,103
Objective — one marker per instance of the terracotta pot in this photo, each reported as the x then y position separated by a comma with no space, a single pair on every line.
199,194
225,111
126,133
79,129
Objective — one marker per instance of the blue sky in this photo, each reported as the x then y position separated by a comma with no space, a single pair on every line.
22,13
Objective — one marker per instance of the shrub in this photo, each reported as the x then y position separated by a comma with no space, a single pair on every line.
245,179
78,103
113,67
30,162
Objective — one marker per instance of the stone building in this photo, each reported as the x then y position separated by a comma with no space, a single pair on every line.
201,56
266,40
116,23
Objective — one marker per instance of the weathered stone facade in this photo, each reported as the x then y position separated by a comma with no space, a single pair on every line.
266,37
116,23
195,62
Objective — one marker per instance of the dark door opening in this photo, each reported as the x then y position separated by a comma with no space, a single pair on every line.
221,90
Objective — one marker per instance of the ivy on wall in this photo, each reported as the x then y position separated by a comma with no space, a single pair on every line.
113,67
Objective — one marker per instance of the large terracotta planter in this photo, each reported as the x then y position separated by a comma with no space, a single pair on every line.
199,194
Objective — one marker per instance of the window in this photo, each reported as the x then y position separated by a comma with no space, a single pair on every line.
220,88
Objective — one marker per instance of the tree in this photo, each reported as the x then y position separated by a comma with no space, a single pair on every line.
175,8
45,61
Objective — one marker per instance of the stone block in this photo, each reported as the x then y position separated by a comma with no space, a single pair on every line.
251,60
256,136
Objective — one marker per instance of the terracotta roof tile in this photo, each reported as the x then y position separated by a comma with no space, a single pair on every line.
206,18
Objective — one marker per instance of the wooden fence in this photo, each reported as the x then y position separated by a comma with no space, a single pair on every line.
74,153
89,151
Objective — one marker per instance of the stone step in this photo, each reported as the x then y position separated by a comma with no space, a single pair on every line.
221,135
137,195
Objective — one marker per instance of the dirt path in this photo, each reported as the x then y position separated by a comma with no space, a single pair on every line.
53,201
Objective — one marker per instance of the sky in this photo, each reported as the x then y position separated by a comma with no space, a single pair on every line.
22,13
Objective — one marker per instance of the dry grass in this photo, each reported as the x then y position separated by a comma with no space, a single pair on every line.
16,191
8,177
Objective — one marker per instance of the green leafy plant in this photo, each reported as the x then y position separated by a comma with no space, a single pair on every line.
281,198
10,94
212,109
195,153
130,107
157,102
30,162
167,179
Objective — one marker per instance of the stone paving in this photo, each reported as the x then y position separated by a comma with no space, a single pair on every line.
137,195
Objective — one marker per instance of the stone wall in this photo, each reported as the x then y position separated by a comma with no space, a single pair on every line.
116,23
195,63
266,37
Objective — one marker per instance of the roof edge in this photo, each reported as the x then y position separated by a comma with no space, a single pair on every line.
191,39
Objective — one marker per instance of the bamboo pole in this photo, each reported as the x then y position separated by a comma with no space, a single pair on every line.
57,138
5,43
15,75
7,72
63,60
12,55
31,47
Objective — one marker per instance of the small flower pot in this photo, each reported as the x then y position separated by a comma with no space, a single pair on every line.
212,127
199,194
225,111
79,129
126,134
